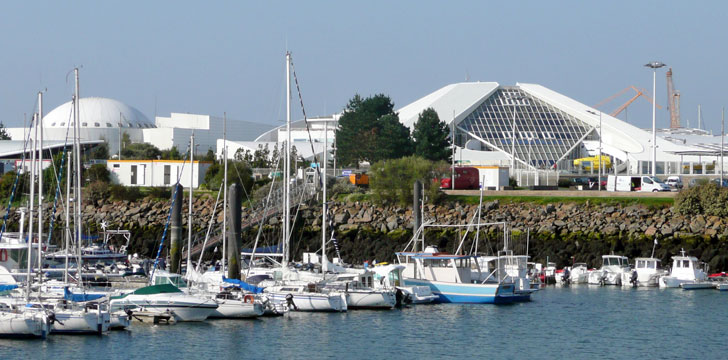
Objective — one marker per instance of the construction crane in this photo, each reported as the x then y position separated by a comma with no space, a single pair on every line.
673,101
640,92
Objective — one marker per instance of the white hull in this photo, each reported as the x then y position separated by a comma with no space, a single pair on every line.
667,282
80,322
236,309
597,277
370,299
183,307
643,280
312,301
24,324
119,321
419,294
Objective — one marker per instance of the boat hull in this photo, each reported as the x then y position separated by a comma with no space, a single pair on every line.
119,321
236,309
312,302
471,293
182,307
80,322
356,299
23,325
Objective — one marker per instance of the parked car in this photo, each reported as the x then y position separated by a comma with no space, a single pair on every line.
674,182
701,181
717,182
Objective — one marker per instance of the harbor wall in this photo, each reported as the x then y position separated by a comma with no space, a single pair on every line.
562,232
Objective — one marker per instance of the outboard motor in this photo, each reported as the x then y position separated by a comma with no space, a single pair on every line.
566,277
633,279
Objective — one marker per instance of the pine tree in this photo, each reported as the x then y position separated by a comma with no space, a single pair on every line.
431,137
393,139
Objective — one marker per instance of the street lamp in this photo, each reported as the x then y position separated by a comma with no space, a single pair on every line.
513,137
654,65
599,180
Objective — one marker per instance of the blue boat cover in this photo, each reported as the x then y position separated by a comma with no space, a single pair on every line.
68,295
275,249
243,285
7,287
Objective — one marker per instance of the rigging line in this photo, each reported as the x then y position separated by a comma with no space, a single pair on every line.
26,142
58,178
169,217
209,228
305,119
260,224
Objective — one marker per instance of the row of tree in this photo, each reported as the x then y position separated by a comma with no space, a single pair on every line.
370,130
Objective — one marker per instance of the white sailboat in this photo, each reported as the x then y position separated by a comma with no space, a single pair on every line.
24,322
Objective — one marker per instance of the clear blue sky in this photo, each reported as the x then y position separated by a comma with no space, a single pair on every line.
211,57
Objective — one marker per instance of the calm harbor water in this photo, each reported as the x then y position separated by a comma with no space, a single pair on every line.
607,322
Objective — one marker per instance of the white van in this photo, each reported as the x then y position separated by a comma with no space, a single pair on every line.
635,183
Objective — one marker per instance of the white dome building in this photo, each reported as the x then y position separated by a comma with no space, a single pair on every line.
98,113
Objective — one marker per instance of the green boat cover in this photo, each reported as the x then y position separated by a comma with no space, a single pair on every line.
151,290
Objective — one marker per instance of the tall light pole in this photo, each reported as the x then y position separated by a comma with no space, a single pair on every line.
513,136
599,181
654,65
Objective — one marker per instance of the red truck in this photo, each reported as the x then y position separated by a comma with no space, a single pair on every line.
465,178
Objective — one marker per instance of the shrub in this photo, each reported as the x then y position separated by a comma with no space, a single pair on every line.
564,182
97,190
392,181
707,199
121,192
159,192
343,186
98,173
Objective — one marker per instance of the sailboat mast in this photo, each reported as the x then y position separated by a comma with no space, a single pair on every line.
67,230
31,206
287,167
324,262
189,209
223,258
40,186
77,150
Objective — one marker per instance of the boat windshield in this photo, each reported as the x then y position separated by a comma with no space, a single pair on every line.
394,278
177,281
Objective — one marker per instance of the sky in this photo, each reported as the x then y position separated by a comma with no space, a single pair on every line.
216,57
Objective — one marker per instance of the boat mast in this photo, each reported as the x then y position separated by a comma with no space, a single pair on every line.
40,187
223,257
287,167
324,262
67,231
33,134
77,151
189,210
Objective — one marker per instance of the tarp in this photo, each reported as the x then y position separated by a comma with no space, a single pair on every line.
243,285
276,249
68,295
7,287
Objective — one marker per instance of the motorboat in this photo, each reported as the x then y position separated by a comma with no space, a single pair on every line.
579,273
506,268
685,272
306,297
450,277
549,273
165,298
646,273
613,266
360,292
389,276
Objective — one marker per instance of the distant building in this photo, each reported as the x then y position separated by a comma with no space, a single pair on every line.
108,119
157,172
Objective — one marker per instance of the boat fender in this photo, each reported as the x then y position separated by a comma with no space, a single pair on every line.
52,319
290,303
633,279
249,299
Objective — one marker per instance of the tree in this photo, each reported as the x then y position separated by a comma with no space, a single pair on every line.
392,139
431,137
3,133
392,181
363,129
171,154
141,151
100,151
98,173
238,173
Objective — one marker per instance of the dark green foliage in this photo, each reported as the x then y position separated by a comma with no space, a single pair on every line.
432,137
238,173
100,152
120,192
392,181
141,151
6,185
369,130
343,186
171,154
97,190
159,192
564,182
707,199
98,173
3,133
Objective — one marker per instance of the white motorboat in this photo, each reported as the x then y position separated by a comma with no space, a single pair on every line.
613,266
306,297
120,320
24,322
579,273
165,298
360,293
685,270
390,277
647,273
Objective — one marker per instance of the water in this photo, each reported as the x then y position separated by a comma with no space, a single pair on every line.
606,322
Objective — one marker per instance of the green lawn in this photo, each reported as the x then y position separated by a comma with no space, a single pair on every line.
646,201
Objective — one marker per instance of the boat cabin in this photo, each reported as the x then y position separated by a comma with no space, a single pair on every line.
435,266
686,268
165,277
387,276
615,261
647,264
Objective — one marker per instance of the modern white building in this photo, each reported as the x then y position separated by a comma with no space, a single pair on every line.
157,172
539,129
108,119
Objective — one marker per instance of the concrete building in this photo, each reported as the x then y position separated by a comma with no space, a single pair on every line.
157,172
108,119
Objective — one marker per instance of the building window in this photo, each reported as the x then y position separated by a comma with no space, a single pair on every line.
116,166
167,174
63,124
97,125
133,175
54,124
84,124
108,124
